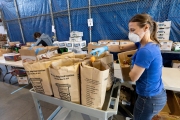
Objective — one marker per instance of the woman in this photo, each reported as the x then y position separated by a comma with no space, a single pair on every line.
42,39
147,66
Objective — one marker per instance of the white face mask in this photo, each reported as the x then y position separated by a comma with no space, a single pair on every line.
134,37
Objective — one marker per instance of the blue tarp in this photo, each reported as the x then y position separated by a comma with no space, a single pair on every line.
110,22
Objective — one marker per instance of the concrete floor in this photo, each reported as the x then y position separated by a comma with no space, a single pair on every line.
19,105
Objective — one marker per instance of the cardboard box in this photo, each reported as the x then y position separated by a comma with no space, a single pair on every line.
164,31
94,46
125,57
125,42
75,39
76,34
162,36
70,49
27,54
12,57
166,45
79,44
62,44
165,24
172,107
69,44
103,41
28,44
114,42
176,64
94,43
13,43
22,80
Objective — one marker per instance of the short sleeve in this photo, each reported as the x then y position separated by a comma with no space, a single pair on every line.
144,58
137,44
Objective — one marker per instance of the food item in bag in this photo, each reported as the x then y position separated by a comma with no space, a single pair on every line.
93,59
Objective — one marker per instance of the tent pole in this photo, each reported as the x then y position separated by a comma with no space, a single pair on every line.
90,28
69,15
19,21
52,18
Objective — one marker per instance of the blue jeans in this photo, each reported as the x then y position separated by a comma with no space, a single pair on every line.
146,107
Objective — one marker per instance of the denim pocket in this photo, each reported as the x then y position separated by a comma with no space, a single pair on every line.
157,107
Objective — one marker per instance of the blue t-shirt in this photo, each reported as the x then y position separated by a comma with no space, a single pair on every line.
149,57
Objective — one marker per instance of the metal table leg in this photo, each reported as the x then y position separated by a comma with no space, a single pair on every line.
5,73
38,108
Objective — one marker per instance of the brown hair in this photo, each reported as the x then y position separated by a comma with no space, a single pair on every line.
37,34
144,19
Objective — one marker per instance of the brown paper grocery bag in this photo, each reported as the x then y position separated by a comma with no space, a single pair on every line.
83,56
65,79
125,57
65,55
38,73
94,78
107,58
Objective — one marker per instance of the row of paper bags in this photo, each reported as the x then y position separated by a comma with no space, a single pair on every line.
73,78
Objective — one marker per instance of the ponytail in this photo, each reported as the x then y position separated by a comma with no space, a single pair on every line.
153,33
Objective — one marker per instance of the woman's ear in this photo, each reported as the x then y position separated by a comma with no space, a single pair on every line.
146,27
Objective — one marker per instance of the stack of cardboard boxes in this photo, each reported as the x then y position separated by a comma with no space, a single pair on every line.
114,42
101,43
163,34
75,41
163,31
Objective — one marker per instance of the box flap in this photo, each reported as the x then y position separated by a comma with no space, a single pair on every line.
52,48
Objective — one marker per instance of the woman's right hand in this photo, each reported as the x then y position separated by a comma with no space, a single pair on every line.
99,50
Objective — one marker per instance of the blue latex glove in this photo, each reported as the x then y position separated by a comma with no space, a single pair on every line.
99,50
30,48
32,45
38,49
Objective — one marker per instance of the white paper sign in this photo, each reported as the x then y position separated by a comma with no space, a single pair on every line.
90,22
53,30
